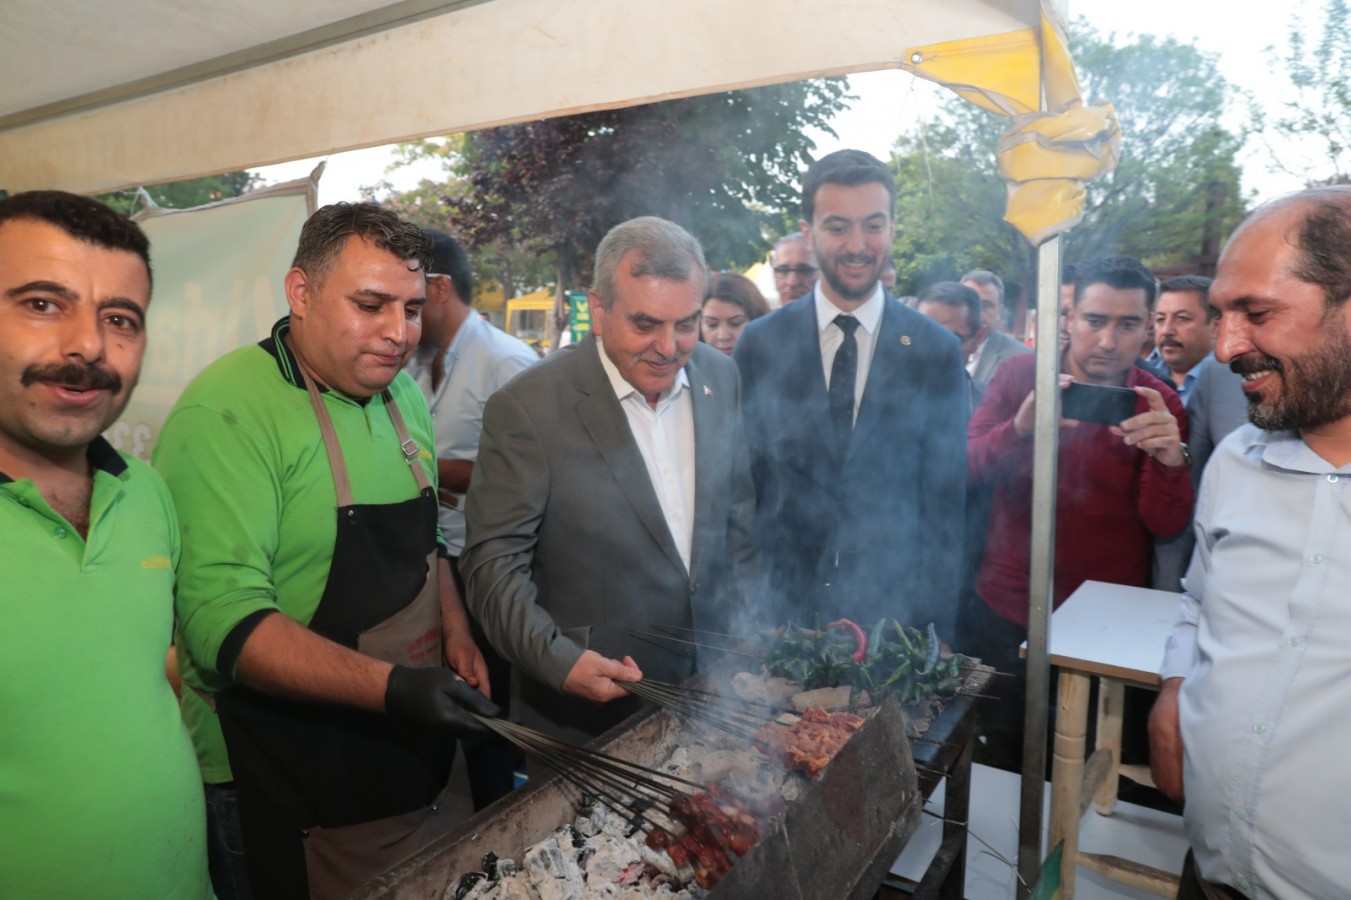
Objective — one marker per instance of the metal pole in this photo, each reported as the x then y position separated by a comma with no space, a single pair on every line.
1046,441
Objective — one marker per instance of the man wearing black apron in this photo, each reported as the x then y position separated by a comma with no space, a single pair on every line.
316,617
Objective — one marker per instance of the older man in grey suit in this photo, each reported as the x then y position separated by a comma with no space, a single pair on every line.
612,491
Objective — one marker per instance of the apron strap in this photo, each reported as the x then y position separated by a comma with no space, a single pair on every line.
406,443
334,449
331,446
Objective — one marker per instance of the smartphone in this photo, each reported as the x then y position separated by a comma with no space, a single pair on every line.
1095,403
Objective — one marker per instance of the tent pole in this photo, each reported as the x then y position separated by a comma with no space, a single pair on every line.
1046,438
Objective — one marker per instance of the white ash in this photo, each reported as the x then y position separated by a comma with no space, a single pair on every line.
613,860
596,856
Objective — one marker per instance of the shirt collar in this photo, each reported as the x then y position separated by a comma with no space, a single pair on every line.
471,323
1284,450
101,456
868,315
281,351
286,360
623,389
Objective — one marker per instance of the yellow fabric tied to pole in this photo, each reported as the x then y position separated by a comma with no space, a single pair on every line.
1052,149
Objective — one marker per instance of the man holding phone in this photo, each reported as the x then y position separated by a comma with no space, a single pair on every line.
1122,480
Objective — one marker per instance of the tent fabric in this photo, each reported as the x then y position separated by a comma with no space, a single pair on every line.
1055,143
473,65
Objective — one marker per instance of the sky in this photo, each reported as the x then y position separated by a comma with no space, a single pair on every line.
892,102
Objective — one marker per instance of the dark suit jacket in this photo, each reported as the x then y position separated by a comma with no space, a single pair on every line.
873,529
567,545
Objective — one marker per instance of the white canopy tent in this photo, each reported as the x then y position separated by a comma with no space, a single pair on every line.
103,96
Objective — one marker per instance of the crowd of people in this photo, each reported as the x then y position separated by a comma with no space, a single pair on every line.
359,531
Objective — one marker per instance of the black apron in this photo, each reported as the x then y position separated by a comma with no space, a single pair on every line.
331,796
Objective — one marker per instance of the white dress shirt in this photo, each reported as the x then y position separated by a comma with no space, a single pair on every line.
665,438
869,317
974,359
1262,643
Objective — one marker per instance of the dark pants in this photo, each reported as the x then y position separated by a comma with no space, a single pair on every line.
225,843
994,639
489,759
1191,887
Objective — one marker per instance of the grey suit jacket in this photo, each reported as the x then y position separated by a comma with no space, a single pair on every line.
998,348
1215,406
567,545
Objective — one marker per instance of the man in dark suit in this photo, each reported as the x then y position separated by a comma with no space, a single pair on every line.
855,413
612,491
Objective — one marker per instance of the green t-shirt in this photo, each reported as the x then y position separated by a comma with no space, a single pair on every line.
99,792
242,454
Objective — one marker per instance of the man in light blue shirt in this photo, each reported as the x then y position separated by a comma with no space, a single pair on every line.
460,361
1252,718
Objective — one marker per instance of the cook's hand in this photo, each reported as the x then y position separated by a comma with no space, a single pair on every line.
593,677
1025,419
1165,741
1156,432
464,656
436,698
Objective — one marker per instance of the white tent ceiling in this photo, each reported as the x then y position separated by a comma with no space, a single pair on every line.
96,96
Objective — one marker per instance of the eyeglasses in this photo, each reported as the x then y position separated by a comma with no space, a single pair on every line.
785,271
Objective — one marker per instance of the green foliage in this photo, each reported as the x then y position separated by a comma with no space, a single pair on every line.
1171,199
725,166
185,194
1318,113
517,268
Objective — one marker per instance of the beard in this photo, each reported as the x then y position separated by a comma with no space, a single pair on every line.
1315,387
831,275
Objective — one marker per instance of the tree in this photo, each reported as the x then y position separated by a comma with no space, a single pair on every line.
725,166
517,268
1171,199
185,194
1317,114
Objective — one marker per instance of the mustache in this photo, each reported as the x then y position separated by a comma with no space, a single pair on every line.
1168,342
89,377
1252,363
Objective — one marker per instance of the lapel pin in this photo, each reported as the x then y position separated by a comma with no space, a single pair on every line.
905,340
708,391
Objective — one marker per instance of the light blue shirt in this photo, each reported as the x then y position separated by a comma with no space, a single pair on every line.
479,360
1188,380
1263,644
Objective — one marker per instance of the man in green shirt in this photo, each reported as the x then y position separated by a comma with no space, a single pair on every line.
312,600
99,793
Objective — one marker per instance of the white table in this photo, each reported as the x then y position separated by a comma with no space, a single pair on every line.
1115,634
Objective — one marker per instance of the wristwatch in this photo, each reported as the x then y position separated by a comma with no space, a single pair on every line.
1186,454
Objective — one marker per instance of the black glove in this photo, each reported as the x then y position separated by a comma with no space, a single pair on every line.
436,698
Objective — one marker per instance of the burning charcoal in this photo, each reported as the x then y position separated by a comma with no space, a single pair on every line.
552,872
489,865
578,839
589,819
506,868
661,861
467,883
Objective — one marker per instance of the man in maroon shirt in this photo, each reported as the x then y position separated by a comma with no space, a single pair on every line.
1118,487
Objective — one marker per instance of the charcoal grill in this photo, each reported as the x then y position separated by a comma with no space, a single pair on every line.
837,840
